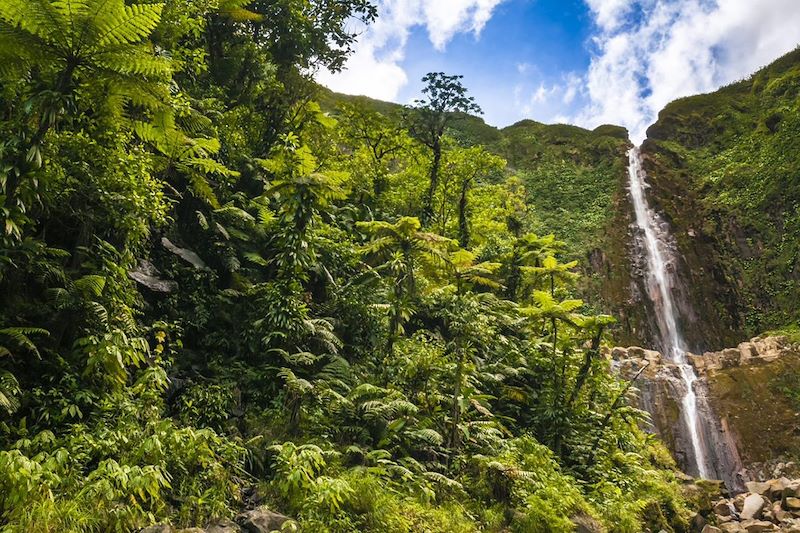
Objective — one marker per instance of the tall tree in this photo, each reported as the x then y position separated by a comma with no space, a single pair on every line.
469,165
403,247
445,96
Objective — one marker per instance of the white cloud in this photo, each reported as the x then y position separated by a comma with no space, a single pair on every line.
539,101
608,13
650,52
375,68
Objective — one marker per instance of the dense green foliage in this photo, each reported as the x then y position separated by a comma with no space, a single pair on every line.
729,159
209,288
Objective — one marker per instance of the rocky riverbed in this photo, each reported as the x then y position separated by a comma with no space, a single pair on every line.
772,505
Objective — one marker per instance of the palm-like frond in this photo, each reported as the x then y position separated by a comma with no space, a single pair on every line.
9,390
20,337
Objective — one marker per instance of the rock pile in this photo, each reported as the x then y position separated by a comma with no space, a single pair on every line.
772,505
260,520
758,350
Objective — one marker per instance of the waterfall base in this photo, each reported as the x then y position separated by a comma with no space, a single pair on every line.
752,431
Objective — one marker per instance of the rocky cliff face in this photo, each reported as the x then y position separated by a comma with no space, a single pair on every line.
724,172
755,426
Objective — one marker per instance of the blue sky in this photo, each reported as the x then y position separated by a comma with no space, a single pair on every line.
585,62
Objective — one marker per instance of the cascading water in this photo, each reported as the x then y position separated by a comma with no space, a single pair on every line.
659,283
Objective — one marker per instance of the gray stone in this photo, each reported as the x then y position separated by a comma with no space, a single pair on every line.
723,508
757,487
753,504
261,520
711,529
146,274
223,526
157,529
757,526
184,253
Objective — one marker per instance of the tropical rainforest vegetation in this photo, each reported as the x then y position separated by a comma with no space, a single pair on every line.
213,292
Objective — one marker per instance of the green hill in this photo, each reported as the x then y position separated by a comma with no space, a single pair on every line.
726,171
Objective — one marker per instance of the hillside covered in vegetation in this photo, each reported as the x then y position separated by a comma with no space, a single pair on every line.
724,169
214,295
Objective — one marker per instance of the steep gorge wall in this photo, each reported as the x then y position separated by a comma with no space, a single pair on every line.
752,395
725,172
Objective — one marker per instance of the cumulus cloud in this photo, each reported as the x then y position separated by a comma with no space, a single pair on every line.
375,68
650,52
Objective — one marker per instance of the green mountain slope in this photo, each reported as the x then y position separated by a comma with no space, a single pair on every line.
725,169
575,184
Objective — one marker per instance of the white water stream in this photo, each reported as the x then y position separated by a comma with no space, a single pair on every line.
659,283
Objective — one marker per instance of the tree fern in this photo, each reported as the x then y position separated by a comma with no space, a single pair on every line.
9,390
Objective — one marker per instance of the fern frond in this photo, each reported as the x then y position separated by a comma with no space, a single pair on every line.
9,390
429,436
128,25
90,285
21,337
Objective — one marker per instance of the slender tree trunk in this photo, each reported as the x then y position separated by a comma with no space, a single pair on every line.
427,210
463,223
583,373
456,415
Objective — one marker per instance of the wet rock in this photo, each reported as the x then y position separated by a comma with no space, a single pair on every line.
261,520
752,506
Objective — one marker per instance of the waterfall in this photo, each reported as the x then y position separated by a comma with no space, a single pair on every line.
659,283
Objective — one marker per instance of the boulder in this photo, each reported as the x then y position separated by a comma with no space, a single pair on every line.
778,514
147,275
752,506
757,526
791,504
732,527
157,529
723,508
618,353
758,487
776,487
261,520
711,529
586,524
791,490
184,253
222,526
